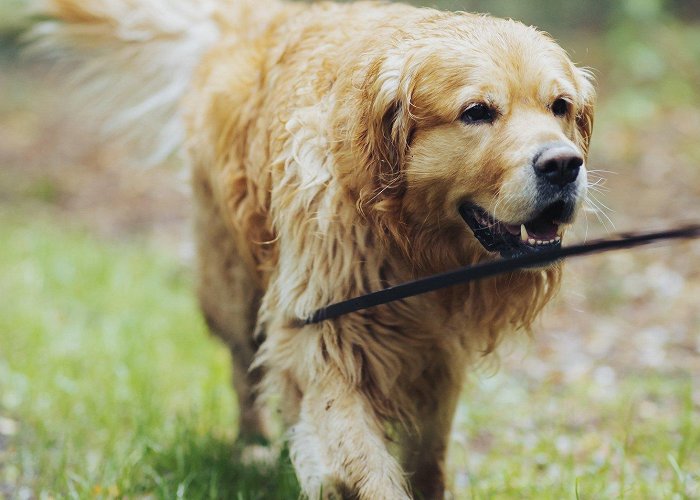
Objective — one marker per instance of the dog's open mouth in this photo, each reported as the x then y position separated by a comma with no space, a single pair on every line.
513,240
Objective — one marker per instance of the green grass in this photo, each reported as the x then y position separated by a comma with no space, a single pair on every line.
118,391
578,441
106,366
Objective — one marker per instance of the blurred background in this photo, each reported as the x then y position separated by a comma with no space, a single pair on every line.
110,386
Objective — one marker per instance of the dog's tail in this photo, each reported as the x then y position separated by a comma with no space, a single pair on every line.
129,62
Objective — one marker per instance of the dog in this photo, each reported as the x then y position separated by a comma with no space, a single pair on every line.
336,149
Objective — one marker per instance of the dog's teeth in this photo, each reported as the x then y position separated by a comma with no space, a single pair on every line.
531,241
557,239
523,233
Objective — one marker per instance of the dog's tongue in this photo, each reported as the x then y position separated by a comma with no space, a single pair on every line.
542,230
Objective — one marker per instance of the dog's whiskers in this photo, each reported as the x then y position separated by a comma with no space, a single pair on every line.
593,205
598,185
598,171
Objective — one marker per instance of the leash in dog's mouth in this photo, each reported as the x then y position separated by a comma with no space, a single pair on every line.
546,255
544,232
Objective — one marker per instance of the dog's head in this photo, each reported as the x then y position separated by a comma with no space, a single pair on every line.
474,134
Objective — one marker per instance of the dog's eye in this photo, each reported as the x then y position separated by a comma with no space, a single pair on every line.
478,113
560,107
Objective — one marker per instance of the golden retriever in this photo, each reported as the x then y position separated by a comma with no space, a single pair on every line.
337,149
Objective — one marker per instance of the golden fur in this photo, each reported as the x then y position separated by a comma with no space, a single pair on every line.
328,160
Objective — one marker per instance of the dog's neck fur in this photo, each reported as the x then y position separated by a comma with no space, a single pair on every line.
485,309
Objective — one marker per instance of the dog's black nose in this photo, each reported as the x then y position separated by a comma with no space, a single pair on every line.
558,164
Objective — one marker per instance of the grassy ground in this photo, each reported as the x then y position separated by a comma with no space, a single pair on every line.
109,383
110,386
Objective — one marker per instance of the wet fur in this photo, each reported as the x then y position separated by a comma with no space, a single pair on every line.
328,160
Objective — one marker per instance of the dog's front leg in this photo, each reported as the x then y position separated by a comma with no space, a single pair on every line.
426,448
338,446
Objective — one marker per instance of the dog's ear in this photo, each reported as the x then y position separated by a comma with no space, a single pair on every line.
381,139
584,118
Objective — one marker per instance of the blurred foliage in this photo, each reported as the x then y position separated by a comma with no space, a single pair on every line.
653,61
561,17
13,17
557,16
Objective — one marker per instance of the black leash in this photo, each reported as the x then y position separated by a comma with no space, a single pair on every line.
488,269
